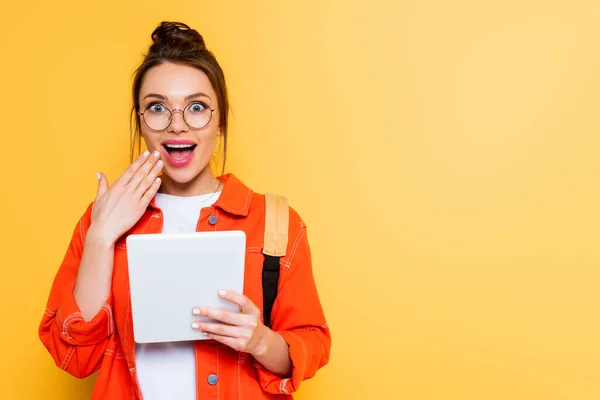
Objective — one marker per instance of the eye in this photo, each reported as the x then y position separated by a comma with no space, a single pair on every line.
197,107
157,108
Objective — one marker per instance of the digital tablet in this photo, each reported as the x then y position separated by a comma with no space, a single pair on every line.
169,274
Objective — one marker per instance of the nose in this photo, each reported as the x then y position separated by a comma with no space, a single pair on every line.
178,124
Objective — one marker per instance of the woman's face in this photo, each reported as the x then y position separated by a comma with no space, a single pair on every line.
186,150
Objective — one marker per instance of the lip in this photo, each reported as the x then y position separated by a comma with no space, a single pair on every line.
178,162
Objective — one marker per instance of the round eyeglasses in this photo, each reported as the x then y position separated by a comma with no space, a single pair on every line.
158,117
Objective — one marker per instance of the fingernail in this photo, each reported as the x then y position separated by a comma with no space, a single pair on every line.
195,325
196,311
146,153
157,180
98,175
160,163
156,154
222,292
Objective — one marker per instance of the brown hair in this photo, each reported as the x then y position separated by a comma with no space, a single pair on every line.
176,42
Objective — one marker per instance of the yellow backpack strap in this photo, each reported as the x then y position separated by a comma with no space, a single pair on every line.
277,218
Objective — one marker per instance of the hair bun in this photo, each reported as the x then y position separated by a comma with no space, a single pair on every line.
176,33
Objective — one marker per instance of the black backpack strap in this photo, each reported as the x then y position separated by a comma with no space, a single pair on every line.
270,281
274,247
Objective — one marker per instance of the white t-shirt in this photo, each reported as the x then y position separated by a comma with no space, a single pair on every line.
168,370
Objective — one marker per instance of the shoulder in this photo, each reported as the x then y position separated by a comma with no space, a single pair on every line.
240,199
284,228
85,220
269,211
277,203
80,228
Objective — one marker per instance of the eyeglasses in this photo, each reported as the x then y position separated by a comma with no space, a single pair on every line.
158,117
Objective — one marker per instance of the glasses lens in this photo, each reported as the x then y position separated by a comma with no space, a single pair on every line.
197,115
157,117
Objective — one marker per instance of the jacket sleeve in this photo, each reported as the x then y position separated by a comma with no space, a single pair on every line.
75,345
298,316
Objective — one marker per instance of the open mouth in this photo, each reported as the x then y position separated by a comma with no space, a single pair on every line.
179,151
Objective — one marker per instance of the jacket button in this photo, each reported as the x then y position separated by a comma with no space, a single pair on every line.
212,219
212,379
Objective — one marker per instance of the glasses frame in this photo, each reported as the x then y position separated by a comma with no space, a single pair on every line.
171,112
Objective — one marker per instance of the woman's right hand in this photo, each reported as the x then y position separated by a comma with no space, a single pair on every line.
119,207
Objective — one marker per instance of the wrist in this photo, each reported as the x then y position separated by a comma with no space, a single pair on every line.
262,347
96,237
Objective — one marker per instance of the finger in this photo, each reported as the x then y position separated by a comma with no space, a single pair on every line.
225,316
143,171
132,169
245,304
102,185
227,341
149,179
222,330
147,197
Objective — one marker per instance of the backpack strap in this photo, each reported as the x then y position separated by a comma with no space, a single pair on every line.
277,217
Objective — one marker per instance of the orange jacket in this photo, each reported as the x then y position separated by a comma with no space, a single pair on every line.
106,342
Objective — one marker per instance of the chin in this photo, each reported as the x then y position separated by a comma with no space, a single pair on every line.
185,174
182,175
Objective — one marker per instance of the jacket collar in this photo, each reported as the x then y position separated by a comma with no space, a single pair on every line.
235,197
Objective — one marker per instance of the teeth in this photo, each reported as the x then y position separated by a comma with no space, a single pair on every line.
179,146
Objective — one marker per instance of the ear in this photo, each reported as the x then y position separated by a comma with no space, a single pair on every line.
220,131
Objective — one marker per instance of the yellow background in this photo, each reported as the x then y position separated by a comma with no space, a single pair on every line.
444,154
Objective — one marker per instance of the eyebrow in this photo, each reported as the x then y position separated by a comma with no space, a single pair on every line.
193,96
188,97
158,96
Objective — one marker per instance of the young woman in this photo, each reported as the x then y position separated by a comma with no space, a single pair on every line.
180,109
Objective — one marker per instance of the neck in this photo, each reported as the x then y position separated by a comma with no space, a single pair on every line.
204,183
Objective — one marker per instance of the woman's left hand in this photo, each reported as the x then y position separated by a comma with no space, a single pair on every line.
243,331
